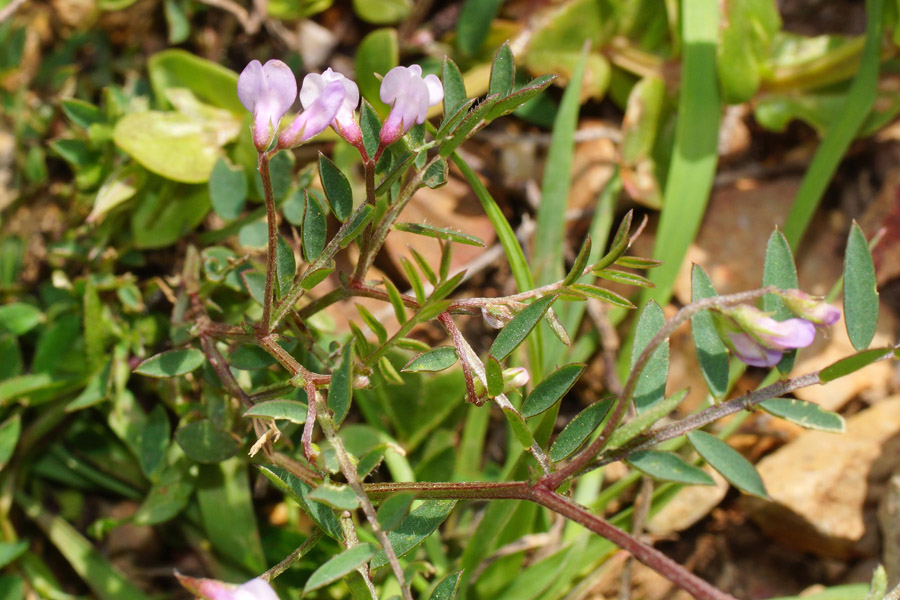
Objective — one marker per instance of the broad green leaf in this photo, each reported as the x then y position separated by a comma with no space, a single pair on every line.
503,72
666,466
164,214
651,385
170,144
779,270
250,358
551,390
805,414
474,24
104,580
314,278
299,490
860,290
9,437
205,442
167,498
254,235
337,188
712,355
171,363
729,462
439,233
227,189
315,229
579,429
340,391
442,357
446,588
494,373
10,551
19,318
851,364
338,566
748,27
153,440
376,54
280,410
338,497
285,266
519,427
394,509
84,114
646,419
209,81
355,226
454,88
519,327
382,12
226,510
412,531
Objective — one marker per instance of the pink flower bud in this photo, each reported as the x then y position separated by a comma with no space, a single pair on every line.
409,95
344,123
316,118
515,377
210,589
267,91
812,309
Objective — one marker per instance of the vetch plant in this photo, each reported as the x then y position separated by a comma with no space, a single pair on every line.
257,332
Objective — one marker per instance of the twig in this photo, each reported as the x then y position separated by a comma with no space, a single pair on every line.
8,10
314,536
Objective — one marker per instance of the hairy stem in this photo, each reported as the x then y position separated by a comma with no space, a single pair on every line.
272,247
349,471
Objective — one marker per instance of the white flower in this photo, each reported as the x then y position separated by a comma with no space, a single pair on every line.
409,95
267,91
210,589
313,86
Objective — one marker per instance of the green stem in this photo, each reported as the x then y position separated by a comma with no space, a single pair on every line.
314,536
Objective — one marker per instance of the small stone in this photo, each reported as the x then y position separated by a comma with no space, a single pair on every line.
821,484
689,506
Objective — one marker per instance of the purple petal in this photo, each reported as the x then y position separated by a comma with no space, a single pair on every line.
825,314
748,351
435,89
321,113
312,87
255,589
784,335
251,84
282,88
394,84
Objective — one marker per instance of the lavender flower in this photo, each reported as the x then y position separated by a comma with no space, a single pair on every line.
314,85
267,91
410,95
759,340
812,309
210,589
318,115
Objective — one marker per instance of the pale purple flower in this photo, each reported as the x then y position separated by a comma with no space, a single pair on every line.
777,335
812,309
211,589
344,123
749,351
409,95
267,91
317,116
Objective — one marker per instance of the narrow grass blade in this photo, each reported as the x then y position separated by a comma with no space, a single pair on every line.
860,100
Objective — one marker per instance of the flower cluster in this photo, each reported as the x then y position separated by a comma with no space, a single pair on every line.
330,99
757,339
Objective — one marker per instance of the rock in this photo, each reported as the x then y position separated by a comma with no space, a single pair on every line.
689,506
889,520
822,485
